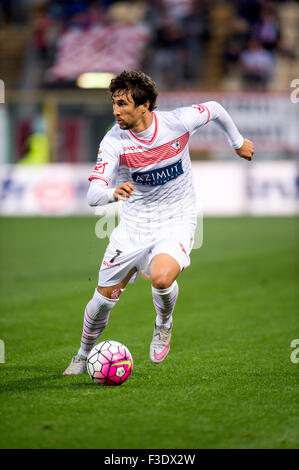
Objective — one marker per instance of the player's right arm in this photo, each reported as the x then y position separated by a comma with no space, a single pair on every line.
123,191
102,189
99,194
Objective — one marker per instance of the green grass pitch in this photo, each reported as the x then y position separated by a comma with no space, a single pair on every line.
228,381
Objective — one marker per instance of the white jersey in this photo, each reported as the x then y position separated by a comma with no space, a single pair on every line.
157,162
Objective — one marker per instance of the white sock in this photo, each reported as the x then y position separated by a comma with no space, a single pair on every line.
164,301
96,318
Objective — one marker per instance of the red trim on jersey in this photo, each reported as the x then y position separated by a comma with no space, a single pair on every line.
148,142
209,114
155,155
201,108
92,177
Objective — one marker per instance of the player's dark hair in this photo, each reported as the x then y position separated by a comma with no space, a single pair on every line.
141,86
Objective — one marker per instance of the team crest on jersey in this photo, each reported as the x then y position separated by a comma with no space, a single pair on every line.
175,145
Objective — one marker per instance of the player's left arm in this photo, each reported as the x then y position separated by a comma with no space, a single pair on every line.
199,115
243,147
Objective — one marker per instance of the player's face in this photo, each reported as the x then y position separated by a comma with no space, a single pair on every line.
125,111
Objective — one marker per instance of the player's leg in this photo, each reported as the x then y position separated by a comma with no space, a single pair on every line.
117,267
113,292
170,256
97,312
96,316
163,274
164,271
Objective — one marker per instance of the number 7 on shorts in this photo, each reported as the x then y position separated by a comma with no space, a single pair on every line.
118,252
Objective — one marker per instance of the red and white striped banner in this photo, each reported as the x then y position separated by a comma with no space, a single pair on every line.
100,49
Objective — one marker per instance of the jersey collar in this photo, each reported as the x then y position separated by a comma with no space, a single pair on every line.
148,142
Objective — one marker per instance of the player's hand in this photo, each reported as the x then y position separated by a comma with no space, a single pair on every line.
123,191
247,150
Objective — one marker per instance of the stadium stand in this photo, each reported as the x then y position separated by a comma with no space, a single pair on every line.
182,44
190,46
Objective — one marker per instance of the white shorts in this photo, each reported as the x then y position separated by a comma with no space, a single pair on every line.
127,250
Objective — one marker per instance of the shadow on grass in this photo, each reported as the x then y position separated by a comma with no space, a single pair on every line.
52,380
37,378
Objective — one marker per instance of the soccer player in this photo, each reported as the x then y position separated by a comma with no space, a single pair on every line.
144,162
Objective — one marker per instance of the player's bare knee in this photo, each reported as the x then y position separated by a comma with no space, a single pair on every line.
161,281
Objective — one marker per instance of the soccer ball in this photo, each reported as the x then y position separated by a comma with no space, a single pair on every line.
109,363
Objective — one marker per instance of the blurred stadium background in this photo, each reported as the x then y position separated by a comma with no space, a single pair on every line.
57,57
234,386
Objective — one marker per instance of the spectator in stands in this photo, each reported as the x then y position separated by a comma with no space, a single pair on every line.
180,29
42,24
257,66
176,10
267,30
237,41
196,32
168,61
